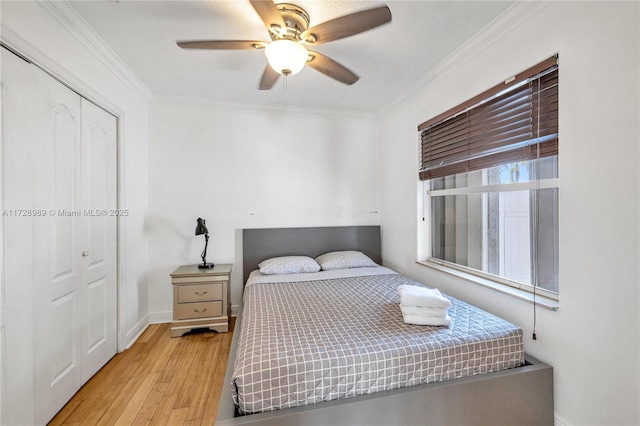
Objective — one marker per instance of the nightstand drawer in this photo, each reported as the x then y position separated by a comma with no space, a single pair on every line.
199,292
198,309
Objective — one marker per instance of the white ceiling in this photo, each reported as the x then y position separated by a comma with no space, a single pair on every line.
387,59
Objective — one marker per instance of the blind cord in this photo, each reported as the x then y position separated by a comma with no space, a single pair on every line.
536,219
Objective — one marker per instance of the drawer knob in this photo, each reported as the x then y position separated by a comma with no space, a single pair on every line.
197,293
85,253
197,311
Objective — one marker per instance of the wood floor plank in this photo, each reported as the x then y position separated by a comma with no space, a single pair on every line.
112,398
96,391
158,381
167,352
212,401
163,411
92,391
179,365
200,391
179,361
136,402
127,391
196,370
177,416
96,395
151,404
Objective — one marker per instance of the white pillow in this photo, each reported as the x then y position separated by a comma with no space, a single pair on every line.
344,260
288,265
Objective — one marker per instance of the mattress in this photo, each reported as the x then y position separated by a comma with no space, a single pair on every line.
308,338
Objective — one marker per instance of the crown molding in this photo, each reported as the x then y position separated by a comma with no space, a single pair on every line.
32,54
514,16
71,20
296,111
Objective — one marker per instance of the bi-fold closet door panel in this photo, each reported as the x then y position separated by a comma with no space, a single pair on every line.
72,171
98,189
57,265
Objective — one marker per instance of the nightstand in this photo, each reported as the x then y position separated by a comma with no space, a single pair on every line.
200,298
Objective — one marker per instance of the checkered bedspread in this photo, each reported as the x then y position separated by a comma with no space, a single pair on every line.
312,341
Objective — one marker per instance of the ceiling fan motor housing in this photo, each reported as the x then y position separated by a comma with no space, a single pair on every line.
296,20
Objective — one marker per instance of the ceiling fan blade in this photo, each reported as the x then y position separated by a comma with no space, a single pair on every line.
331,68
269,78
222,44
347,25
268,12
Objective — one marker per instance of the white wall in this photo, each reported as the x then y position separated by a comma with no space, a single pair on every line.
61,44
246,167
593,340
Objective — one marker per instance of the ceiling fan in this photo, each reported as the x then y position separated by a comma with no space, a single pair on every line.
288,27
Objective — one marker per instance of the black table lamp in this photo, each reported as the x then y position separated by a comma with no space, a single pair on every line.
201,228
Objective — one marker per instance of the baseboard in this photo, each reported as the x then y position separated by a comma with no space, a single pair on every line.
557,421
134,333
234,310
160,317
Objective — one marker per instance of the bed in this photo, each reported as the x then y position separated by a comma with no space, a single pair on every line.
334,367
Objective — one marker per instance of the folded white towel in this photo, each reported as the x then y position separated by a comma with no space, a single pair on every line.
421,320
424,312
411,295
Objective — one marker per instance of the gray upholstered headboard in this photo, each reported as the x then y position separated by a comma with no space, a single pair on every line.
261,244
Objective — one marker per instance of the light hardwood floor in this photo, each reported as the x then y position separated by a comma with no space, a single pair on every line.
158,381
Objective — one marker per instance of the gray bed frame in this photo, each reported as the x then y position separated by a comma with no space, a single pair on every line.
519,396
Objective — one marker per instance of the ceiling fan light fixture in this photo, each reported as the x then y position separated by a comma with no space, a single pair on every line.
286,57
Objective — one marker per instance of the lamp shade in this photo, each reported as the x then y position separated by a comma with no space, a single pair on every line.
201,228
286,57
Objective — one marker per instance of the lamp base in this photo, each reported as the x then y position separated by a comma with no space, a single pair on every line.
206,265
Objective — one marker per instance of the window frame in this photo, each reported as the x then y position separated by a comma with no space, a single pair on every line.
523,291
538,298
548,183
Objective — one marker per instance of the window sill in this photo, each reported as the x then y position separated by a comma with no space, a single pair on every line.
542,301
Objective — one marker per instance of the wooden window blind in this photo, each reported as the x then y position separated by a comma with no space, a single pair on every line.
514,121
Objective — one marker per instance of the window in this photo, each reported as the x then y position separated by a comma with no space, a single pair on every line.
490,169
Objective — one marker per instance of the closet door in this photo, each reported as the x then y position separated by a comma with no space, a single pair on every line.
98,183
57,261
59,176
